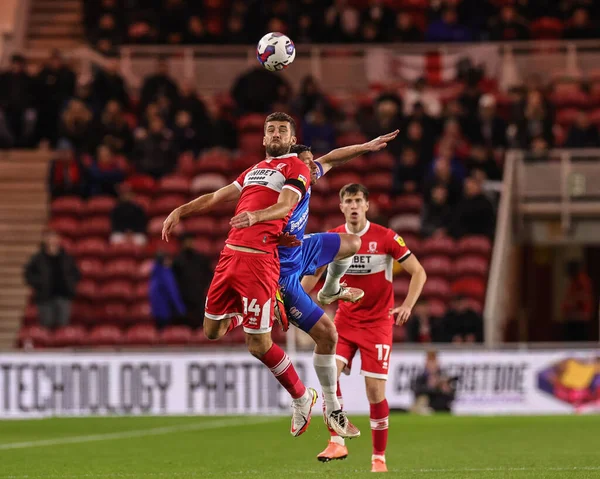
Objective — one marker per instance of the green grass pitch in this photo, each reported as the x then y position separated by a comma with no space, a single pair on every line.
251,447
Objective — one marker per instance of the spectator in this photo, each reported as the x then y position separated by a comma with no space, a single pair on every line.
580,27
193,273
388,117
142,26
18,116
489,128
508,26
236,30
447,29
107,34
128,219
57,84
108,85
583,134
65,175
474,214
381,17
434,391
158,85
173,21
104,172
318,132
310,98
165,298
578,304
53,275
423,328
220,131
405,31
535,120
196,32
539,151
114,129
461,323
257,90
442,174
154,151
408,173
481,160
184,134
307,30
420,94
76,126
342,22
190,102
436,217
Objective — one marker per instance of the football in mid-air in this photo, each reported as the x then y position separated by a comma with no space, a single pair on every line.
275,51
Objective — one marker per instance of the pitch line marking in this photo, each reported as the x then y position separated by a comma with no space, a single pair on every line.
156,431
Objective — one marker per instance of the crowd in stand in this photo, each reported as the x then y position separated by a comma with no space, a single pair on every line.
111,23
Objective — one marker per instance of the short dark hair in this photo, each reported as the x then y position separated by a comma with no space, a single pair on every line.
353,189
297,149
281,116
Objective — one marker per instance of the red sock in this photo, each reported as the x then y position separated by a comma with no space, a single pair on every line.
341,400
282,368
234,323
379,427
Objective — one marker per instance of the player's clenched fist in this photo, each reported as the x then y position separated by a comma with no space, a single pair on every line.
170,223
243,220
402,314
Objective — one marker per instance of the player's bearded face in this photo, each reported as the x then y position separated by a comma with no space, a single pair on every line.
278,138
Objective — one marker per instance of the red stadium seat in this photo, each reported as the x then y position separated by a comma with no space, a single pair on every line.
176,335
123,250
91,268
155,226
407,204
214,161
100,206
567,116
474,245
142,184
401,287
437,266
67,206
141,335
141,312
143,201
222,227
65,226
350,138
471,287
199,338
382,160
475,305
438,245
143,270
336,182
174,184
95,226
68,336
201,226
165,204
319,205
105,335
208,182
141,291
436,288
379,182
252,122
546,29
91,248
595,117
314,225
251,142
111,312
156,244
87,289
437,308
34,336
471,265
81,313
122,268
203,245
116,290
30,315
186,164
406,223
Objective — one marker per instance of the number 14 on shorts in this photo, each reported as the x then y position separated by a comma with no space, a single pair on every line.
252,307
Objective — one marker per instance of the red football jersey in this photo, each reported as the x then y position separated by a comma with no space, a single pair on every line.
260,186
371,271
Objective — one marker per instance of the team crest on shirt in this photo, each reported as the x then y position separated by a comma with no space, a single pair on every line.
399,240
280,166
372,247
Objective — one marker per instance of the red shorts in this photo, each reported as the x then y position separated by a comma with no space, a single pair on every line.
244,284
373,340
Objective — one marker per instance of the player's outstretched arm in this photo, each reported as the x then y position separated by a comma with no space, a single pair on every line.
418,277
200,205
339,156
288,198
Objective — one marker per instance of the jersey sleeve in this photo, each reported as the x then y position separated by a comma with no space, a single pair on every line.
239,181
297,178
396,247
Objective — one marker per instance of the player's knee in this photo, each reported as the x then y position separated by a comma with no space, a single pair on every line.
349,246
325,335
258,344
212,334
375,391
354,243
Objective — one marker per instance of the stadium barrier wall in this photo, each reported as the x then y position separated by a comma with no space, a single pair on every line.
219,383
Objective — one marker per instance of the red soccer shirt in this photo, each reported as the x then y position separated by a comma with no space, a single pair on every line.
260,186
371,271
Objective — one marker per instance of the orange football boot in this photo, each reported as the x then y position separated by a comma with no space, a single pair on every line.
332,452
377,465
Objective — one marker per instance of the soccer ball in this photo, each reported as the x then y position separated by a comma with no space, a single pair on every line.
275,51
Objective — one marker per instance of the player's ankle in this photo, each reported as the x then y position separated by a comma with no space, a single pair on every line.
379,457
304,398
338,440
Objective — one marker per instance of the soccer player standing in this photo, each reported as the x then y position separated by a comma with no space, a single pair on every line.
367,326
245,281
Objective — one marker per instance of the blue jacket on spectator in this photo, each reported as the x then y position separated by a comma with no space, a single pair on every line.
165,298
439,31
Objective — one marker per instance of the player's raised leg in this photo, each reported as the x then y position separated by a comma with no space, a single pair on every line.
332,289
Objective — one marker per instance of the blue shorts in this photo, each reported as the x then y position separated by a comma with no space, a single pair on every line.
317,250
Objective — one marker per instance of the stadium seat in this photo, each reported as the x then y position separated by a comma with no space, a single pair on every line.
336,182
155,226
436,288
546,28
91,248
437,308
141,335
381,161
141,291
143,270
475,305
471,265
474,245
67,206
222,227
199,338
595,117
142,184
68,336
251,122
87,289
111,312
401,287
65,226
438,245
406,223
251,142
350,138
91,268
214,161
176,335
34,336
186,164
314,224
99,206
163,205
174,184
156,244
565,117
116,290
95,226
471,287
144,201
320,205
126,249
121,268
203,245
201,225
407,204
379,182
141,312
208,182
437,266
81,313
104,335
30,315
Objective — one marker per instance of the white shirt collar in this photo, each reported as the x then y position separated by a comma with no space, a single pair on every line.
360,233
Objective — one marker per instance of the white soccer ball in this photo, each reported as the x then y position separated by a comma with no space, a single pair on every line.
275,51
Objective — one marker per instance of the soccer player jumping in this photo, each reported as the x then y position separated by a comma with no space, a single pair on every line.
367,326
246,277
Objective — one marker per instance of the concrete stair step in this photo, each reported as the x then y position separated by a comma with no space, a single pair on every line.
37,217
23,186
42,16
28,171
56,6
45,44
55,29
19,250
16,302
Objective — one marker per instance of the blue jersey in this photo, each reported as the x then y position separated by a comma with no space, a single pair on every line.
290,258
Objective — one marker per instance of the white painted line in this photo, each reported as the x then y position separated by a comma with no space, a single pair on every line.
156,431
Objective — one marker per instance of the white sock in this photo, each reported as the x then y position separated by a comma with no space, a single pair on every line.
335,271
302,399
381,458
326,370
338,440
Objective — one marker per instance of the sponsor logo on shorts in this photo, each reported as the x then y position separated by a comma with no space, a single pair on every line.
295,313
